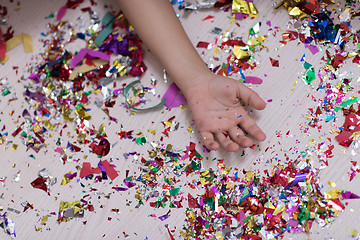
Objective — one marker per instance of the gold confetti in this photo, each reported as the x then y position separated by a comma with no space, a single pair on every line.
241,6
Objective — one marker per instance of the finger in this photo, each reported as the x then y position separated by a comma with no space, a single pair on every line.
250,127
209,141
250,97
226,143
238,136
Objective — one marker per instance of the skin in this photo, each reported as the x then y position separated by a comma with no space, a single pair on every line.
215,101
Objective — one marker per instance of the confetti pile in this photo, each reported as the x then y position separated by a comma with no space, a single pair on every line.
222,203
255,207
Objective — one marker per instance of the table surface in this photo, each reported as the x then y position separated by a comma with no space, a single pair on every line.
284,120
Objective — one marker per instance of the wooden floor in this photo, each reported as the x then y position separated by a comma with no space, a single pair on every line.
116,214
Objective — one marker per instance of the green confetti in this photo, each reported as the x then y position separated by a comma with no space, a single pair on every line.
309,76
307,65
168,181
174,191
87,93
155,170
6,92
141,141
216,30
254,30
347,103
195,166
51,15
210,202
222,200
246,219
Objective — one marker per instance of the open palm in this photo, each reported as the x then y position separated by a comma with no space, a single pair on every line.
216,106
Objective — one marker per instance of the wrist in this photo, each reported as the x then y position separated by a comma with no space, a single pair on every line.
188,81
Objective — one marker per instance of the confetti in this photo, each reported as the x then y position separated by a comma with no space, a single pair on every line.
173,97
226,202
274,62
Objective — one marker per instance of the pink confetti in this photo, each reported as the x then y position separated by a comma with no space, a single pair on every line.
61,13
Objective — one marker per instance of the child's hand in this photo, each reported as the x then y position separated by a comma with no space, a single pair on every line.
216,106
214,101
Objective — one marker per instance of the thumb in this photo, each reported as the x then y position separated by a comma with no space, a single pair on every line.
250,97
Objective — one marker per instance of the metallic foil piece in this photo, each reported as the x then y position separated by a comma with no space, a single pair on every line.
240,54
199,5
296,12
288,3
13,210
165,76
291,6
105,81
68,210
3,21
121,66
241,6
120,69
94,21
83,115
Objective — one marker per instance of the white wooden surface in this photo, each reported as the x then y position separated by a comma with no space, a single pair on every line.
285,113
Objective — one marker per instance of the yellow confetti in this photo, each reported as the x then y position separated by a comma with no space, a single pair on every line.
168,124
226,171
2,139
4,60
219,236
216,51
21,38
296,12
76,206
279,209
241,6
66,114
102,130
84,68
44,219
333,193
49,125
65,179
332,184
152,131
240,54
190,129
355,136
121,69
256,41
249,176
292,8
82,114
352,54
97,91
205,177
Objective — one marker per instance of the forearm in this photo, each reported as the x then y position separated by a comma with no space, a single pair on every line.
157,25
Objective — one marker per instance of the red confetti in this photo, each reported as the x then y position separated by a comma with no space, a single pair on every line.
274,62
